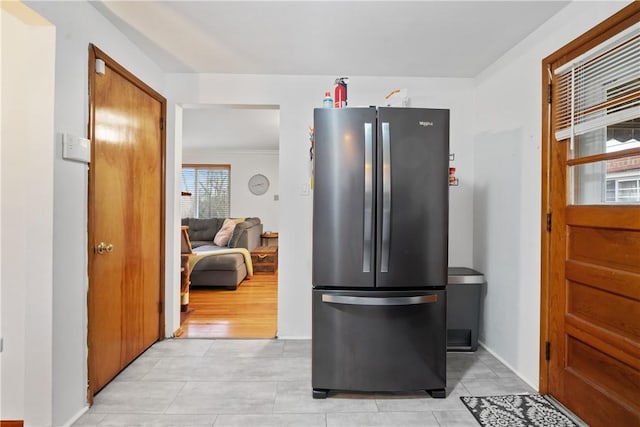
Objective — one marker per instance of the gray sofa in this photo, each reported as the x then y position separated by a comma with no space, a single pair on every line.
227,270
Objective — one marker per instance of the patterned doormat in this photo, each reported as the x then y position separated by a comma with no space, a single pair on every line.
516,410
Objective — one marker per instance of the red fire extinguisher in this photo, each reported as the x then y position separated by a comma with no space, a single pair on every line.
340,98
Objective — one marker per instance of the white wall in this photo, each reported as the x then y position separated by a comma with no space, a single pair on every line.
78,24
243,166
26,196
297,96
507,219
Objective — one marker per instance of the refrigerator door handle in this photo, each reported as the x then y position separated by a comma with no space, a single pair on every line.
386,198
368,196
385,301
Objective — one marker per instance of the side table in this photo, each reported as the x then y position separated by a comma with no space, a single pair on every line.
269,238
265,259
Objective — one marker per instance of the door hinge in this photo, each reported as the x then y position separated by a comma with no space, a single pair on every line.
549,92
160,307
547,350
161,123
549,221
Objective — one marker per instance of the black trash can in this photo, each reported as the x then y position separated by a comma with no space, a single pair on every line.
465,289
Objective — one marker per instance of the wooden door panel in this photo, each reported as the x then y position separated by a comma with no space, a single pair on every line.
600,330
600,369
616,249
615,217
605,309
600,408
613,280
604,339
126,210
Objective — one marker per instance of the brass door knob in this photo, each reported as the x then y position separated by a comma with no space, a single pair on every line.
102,248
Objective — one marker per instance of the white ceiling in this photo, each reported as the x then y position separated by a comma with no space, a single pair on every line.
379,38
335,38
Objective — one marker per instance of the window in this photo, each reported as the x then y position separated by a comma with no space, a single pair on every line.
623,190
598,111
209,187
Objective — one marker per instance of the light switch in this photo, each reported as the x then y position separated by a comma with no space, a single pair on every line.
76,148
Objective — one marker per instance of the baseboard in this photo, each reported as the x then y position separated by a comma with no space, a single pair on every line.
76,417
504,362
292,337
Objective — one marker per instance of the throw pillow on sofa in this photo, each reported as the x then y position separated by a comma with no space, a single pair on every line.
224,234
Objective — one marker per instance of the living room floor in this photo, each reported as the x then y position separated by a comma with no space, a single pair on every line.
251,311
180,382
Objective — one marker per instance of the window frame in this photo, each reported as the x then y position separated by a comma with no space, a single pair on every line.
207,166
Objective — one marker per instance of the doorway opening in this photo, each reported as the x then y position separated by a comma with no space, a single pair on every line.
241,143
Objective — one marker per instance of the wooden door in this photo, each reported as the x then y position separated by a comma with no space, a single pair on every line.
126,219
590,322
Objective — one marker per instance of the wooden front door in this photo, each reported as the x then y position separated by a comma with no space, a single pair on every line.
126,219
590,359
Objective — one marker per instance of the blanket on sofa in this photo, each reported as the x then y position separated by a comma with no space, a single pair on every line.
197,256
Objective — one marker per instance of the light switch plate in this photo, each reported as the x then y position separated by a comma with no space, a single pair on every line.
76,148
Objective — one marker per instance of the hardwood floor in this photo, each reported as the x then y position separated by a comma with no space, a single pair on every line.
248,312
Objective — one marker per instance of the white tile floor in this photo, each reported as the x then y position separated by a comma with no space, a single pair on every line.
188,382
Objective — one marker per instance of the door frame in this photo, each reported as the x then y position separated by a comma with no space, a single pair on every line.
96,53
207,105
598,34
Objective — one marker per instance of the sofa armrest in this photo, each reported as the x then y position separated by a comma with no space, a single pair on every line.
247,234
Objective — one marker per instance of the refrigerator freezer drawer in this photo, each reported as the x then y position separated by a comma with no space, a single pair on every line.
379,341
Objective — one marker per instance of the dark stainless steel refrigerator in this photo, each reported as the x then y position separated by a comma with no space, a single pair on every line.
380,237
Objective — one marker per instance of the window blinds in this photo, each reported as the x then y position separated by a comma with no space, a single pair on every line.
601,87
210,190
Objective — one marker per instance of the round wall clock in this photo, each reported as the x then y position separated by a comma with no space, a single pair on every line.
258,184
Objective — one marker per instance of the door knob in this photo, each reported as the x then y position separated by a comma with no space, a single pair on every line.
102,248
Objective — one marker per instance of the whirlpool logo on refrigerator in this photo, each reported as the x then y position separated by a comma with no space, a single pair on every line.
425,124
